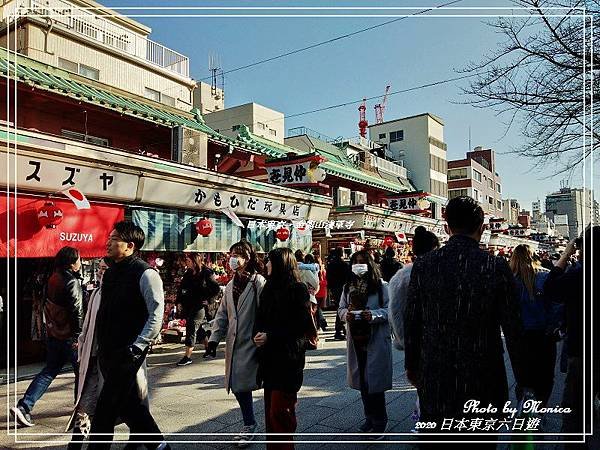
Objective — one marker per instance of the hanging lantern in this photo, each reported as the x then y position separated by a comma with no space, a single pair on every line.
388,241
204,227
49,215
283,234
423,203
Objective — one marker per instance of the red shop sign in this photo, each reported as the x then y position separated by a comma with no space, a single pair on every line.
85,229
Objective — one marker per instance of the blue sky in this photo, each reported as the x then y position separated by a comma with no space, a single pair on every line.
407,53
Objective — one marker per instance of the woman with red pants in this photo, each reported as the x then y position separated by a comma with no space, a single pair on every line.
282,324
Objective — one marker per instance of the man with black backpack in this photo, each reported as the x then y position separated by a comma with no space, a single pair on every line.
63,313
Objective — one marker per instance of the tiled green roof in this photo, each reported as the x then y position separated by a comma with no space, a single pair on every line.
337,163
60,81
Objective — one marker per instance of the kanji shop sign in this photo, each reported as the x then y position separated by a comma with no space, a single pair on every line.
412,202
211,199
296,172
41,174
518,231
498,225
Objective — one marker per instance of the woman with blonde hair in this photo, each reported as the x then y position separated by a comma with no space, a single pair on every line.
539,339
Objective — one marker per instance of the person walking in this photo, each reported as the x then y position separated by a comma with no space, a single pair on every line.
338,273
423,242
129,318
364,308
321,294
572,286
389,264
459,297
235,322
63,312
87,351
198,287
282,324
539,341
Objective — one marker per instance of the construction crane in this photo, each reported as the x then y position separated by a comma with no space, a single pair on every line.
362,122
380,107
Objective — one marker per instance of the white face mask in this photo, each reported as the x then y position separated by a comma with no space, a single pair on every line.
360,269
234,263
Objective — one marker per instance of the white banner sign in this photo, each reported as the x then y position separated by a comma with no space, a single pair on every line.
299,172
45,175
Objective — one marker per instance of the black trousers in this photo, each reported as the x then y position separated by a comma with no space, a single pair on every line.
336,294
119,399
540,362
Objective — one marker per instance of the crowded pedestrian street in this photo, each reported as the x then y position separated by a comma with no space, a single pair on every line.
191,400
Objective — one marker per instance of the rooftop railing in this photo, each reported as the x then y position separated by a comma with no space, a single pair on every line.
99,28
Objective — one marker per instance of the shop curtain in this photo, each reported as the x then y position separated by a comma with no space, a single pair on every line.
173,230
265,240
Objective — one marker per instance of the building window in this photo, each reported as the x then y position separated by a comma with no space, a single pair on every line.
381,135
261,125
498,204
235,127
396,136
152,94
272,132
84,71
453,193
476,194
439,164
168,100
457,174
85,138
491,184
439,188
498,188
477,175
491,200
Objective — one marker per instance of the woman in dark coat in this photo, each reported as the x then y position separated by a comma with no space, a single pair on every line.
282,324
198,287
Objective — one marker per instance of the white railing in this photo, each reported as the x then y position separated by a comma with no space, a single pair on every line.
100,29
387,166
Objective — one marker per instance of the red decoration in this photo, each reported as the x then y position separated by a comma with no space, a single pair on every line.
388,241
283,234
204,227
49,215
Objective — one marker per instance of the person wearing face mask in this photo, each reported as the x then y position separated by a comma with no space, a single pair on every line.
234,321
364,308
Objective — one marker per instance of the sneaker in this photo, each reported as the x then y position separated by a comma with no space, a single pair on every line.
244,437
209,354
21,416
366,426
185,361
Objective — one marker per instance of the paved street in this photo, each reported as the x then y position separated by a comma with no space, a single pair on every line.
191,400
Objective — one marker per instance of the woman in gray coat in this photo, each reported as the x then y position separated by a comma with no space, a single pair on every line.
363,306
234,321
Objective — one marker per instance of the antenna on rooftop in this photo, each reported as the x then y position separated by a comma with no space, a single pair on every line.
217,84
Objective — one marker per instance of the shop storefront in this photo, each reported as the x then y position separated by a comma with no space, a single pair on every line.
35,246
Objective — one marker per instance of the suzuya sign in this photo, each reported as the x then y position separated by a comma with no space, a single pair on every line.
302,171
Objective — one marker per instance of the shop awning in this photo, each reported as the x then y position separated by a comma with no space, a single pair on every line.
174,230
85,229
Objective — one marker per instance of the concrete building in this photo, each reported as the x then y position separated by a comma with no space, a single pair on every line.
208,98
87,39
260,120
510,210
476,177
575,203
417,141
